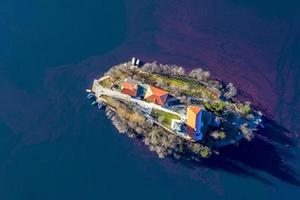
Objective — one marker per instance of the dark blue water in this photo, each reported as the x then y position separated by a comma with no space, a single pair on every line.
36,35
54,145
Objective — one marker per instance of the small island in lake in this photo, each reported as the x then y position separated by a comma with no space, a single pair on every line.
174,113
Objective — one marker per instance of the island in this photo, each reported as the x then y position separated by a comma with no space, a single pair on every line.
173,112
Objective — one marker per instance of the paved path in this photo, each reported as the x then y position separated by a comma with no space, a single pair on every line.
99,90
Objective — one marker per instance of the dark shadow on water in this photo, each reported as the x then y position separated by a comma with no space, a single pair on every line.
277,133
267,153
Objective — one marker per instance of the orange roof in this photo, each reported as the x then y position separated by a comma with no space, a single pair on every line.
194,109
129,88
156,95
192,112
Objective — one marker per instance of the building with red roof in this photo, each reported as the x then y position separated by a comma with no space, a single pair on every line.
129,88
156,95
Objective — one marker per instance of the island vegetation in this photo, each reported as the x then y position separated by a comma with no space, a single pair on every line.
162,122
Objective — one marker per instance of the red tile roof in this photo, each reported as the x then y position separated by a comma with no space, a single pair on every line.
156,95
129,88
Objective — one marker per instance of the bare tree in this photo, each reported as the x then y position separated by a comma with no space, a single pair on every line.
231,91
199,74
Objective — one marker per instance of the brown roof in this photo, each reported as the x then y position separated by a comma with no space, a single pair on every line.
156,95
129,88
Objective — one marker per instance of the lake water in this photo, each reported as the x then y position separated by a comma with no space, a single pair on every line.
54,145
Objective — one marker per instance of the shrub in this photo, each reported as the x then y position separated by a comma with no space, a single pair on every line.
218,135
245,108
204,152
215,106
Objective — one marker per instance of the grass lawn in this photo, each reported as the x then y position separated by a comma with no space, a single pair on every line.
106,83
190,87
165,117
171,81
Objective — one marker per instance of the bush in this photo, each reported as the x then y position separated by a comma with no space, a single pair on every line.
218,135
245,108
231,91
172,70
215,106
204,152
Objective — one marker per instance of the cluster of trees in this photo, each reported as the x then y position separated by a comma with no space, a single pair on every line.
162,142
157,139
244,108
199,150
199,74
165,143
172,70
120,125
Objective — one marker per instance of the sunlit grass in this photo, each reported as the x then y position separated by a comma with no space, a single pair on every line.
165,117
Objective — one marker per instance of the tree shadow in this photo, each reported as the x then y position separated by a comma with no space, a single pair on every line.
267,152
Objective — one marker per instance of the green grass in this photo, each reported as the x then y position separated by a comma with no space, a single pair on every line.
166,117
106,83
189,87
215,106
171,81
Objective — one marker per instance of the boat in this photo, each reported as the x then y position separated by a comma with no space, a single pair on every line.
99,105
94,103
90,96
